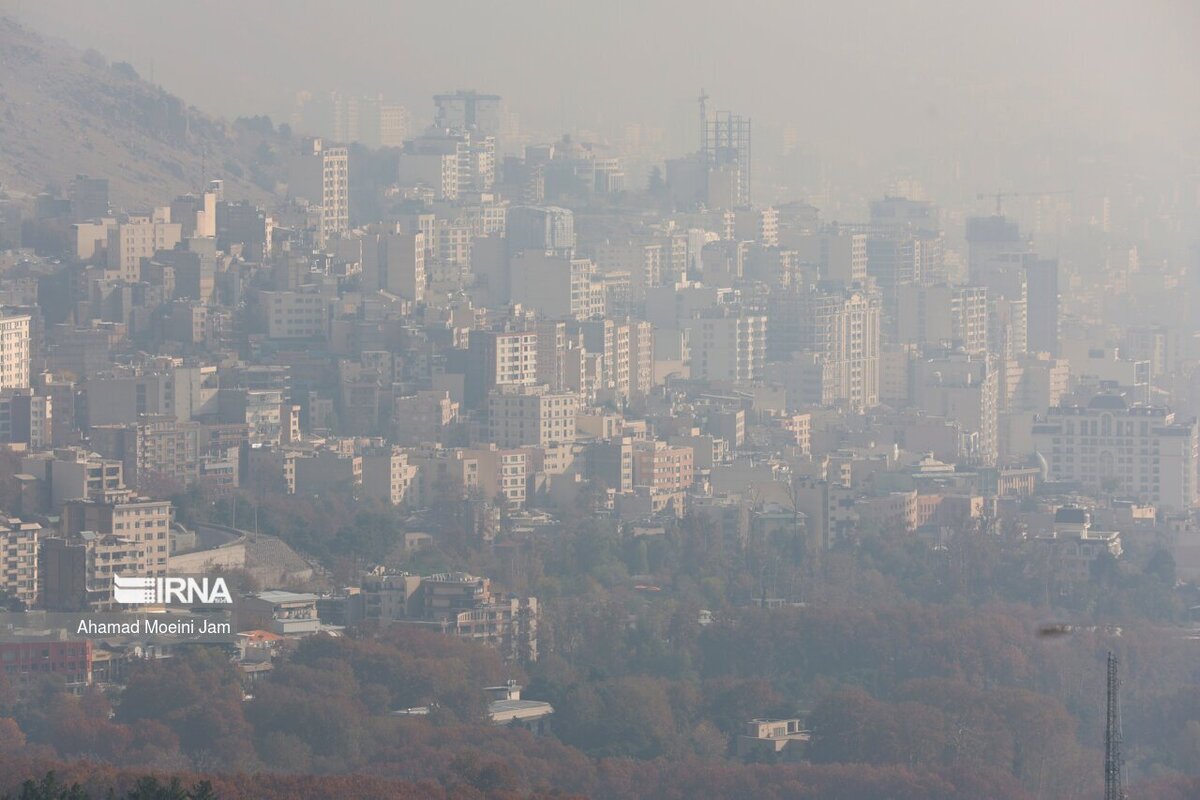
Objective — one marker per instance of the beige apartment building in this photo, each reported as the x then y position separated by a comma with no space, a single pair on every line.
556,285
140,237
422,417
497,359
729,347
387,475
463,605
295,315
77,574
942,315
321,175
662,467
143,523
531,416
19,559
14,351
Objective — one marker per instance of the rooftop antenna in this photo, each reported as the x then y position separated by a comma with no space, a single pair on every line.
1114,784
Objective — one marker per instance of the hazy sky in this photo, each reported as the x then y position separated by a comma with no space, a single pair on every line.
852,73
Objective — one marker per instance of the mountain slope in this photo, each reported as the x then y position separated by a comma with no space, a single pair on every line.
64,113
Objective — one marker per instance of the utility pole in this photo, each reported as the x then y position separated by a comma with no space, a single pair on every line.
1114,785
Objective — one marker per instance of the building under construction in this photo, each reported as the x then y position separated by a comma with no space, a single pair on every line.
725,150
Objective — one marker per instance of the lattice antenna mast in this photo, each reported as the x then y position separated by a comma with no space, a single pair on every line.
1114,784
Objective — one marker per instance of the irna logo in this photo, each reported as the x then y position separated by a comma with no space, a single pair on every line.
145,591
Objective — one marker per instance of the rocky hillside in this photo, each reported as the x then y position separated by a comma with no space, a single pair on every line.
63,112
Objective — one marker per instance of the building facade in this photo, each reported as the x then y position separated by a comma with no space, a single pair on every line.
1111,446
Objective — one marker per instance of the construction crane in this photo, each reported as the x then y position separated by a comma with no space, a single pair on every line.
1000,195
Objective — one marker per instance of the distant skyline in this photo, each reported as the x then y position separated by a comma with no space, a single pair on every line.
853,77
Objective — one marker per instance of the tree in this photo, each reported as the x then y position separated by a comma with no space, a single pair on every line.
202,791
150,788
8,696
49,788
1162,566
10,603
1104,569
11,738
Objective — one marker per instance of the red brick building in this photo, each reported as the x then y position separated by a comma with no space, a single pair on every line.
24,661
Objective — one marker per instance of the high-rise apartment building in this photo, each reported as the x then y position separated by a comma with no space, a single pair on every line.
841,329
295,315
163,386
14,351
894,261
663,467
155,448
1044,381
395,262
728,346
468,110
141,521
321,175
641,358
1159,345
759,225
531,416
900,217
387,476
1041,279
452,163
641,260
964,389
499,358
26,418
540,228
942,315
627,350
901,212
246,224
998,259
394,125
556,286
140,237
837,254
73,473
551,354
196,214
19,559
422,417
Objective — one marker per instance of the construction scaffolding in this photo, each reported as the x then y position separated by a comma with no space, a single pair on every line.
725,145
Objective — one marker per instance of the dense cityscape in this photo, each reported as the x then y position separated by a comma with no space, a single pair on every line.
568,464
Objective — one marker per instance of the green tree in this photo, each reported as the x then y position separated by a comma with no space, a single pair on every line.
49,788
151,788
1162,566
